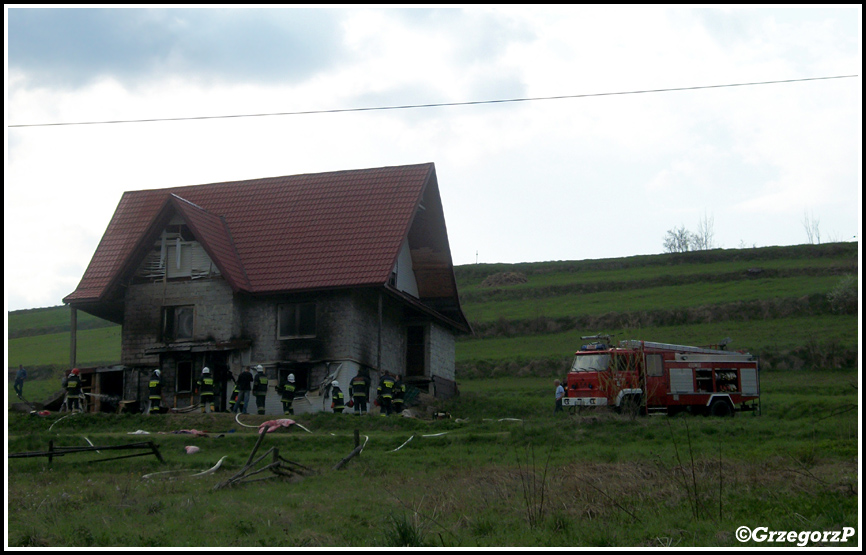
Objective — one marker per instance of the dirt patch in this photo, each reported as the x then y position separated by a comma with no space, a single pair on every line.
503,278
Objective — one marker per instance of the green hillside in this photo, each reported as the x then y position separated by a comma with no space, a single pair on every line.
793,306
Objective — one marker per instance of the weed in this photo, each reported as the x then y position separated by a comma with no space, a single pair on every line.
154,507
403,531
483,526
533,486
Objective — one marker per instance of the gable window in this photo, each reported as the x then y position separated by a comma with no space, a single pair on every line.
296,320
178,323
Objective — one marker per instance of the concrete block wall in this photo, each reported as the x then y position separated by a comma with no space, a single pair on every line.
142,319
442,352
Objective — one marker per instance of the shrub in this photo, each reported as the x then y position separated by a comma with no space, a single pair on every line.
843,297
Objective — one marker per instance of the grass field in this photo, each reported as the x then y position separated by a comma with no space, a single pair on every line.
482,478
504,470
95,346
754,336
655,298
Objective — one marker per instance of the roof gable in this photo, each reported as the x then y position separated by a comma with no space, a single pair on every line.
291,233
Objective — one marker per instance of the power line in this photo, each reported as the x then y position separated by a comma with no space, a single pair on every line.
436,105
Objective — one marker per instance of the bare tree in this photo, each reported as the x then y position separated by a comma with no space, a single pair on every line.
813,231
703,239
678,239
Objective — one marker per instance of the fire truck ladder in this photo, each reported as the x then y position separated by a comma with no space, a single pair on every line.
636,344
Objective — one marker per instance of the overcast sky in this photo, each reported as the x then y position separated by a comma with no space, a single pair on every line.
568,179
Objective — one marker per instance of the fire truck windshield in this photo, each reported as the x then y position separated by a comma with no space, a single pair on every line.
590,363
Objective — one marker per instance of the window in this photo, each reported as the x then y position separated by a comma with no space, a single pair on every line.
178,323
297,320
654,365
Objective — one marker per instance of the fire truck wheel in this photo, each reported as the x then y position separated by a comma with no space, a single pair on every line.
721,408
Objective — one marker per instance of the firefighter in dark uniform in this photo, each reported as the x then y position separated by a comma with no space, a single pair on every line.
399,395
338,403
386,392
234,397
73,391
154,387
287,394
260,388
206,390
359,389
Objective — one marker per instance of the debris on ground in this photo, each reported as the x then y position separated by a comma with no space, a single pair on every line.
273,425
279,467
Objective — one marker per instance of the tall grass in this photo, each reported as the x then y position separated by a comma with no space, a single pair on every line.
583,479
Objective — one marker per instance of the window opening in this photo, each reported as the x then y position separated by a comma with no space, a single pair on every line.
297,320
184,380
178,323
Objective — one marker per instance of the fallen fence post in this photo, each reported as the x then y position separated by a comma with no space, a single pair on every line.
155,450
276,466
61,451
356,451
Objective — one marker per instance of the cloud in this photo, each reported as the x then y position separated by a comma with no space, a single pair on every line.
595,177
72,48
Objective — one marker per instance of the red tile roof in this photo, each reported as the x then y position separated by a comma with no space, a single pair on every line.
291,233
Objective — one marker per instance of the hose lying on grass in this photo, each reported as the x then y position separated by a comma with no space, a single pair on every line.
203,473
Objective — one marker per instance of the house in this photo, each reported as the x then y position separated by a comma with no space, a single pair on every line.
319,275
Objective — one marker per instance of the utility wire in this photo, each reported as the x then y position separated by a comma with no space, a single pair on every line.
436,105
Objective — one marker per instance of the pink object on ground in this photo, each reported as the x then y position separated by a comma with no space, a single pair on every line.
271,425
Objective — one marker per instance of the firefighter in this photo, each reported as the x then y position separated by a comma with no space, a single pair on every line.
73,391
399,394
386,392
234,397
359,390
206,390
337,401
154,398
260,388
287,394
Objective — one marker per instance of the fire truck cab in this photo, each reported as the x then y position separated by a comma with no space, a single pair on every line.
654,377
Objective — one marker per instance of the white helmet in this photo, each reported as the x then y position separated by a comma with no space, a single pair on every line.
260,368
335,383
156,371
291,378
205,370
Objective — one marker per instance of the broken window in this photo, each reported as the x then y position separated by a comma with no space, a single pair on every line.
176,255
297,320
178,323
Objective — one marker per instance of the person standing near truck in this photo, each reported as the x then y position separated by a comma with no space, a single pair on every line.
558,395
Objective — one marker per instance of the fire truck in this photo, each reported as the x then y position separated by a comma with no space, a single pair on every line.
661,378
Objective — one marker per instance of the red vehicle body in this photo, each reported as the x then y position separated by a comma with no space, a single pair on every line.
663,378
